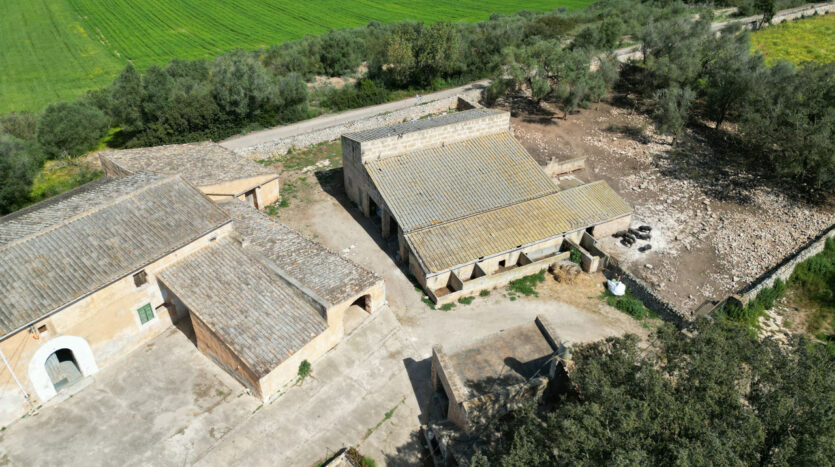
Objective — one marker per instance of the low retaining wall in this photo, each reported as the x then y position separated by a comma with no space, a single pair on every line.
644,293
555,167
474,286
465,100
786,267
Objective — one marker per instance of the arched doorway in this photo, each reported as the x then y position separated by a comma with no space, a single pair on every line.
58,363
356,313
62,369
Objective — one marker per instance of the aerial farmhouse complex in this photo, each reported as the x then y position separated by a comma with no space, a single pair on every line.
470,207
218,172
91,274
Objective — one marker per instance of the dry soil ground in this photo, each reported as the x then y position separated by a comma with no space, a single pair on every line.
715,229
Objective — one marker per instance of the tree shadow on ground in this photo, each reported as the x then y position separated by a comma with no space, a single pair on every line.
411,453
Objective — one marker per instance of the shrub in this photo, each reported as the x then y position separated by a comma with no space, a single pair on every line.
576,257
447,307
304,369
466,300
363,93
70,129
628,304
484,293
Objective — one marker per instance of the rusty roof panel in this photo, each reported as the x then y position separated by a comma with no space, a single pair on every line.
462,241
432,186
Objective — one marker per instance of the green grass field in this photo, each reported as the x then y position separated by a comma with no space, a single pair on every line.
810,39
53,50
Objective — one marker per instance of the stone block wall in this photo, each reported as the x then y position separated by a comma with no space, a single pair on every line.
434,137
647,295
279,147
786,267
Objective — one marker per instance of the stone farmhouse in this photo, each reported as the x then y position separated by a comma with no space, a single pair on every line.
477,384
471,208
218,172
89,275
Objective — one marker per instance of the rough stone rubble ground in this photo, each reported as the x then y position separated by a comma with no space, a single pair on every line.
714,229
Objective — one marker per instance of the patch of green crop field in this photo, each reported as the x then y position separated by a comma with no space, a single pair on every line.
53,50
811,39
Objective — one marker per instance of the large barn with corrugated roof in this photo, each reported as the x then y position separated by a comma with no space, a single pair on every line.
471,208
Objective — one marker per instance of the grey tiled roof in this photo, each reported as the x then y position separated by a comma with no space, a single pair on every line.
329,275
202,164
467,239
58,251
252,310
418,125
433,186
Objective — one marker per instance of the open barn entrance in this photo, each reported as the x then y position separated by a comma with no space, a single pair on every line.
356,313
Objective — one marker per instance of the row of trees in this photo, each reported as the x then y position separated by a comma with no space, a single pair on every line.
783,116
721,397
688,73
212,99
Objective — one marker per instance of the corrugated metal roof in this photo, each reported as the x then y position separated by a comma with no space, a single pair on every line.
433,186
418,125
262,319
445,246
325,272
55,252
204,163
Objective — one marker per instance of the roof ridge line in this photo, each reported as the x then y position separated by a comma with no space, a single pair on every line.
88,212
478,213
427,227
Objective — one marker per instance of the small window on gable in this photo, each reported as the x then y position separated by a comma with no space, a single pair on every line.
146,313
140,278
42,329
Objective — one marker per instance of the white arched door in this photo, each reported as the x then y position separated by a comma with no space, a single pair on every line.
37,366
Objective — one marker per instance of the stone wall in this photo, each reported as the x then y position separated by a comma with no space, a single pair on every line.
647,295
466,99
785,268
382,148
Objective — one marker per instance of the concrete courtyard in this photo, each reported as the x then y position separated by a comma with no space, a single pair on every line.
167,404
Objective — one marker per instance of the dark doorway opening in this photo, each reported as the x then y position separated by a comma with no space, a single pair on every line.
62,369
356,314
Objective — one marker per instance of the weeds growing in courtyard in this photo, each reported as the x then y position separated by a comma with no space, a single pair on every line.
628,304
304,369
526,285
466,300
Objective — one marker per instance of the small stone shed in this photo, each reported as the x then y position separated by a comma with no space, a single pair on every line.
471,209
216,171
483,381
265,298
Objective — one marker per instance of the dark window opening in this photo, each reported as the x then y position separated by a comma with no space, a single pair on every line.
502,263
42,329
140,278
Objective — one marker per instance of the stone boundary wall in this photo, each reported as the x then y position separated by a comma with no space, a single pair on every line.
785,268
464,100
647,295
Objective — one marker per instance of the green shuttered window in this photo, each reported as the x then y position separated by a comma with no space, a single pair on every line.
146,313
